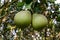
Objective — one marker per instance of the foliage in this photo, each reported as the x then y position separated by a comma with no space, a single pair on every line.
9,30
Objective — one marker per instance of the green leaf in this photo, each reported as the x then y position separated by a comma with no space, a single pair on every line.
28,6
43,1
27,1
2,14
51,0
19,4
58,18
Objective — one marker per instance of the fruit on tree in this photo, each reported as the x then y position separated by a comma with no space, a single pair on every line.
22,18
39,21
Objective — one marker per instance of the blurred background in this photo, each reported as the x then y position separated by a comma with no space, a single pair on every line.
10,31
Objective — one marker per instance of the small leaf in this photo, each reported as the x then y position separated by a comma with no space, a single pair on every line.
28,6
19,4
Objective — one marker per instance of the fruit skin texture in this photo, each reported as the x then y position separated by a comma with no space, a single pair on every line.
22,18
39,21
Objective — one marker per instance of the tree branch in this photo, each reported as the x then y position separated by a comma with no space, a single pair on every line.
6,5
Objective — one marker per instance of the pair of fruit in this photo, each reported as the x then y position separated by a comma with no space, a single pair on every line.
24,18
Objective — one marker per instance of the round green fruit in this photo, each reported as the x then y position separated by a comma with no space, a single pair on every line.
22,18
39,21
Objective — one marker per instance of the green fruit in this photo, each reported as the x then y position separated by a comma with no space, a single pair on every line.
58,18
39,21
22,18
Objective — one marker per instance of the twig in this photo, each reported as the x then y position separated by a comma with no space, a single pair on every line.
6,5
